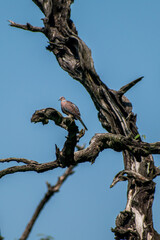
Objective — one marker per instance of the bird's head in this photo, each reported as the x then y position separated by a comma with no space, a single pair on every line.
62,99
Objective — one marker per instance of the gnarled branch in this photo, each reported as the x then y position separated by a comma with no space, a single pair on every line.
97,144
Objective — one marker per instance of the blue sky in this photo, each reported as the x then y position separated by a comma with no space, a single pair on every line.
124,37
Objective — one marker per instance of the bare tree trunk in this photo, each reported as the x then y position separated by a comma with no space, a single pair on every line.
114,113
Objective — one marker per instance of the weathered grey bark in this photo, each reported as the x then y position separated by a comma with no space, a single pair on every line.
114,113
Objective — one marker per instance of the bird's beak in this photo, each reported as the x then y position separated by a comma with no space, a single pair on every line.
59,99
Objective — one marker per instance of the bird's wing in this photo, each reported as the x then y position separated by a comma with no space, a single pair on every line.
71,108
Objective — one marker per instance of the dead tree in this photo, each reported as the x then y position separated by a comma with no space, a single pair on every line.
114,113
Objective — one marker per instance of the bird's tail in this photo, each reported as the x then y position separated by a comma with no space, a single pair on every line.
83,123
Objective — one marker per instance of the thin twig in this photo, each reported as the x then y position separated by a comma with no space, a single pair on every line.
38,167
28,27
51,191
19,160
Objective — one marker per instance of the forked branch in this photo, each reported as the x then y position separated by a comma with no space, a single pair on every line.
51,191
